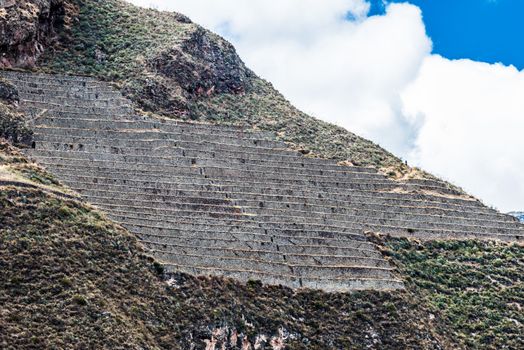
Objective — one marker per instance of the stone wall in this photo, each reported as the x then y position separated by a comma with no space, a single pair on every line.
220,200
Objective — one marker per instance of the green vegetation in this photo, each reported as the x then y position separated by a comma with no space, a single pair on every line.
35,174
111,39
477,286
71,279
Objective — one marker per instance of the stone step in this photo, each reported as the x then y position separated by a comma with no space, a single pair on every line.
74,102
440,234
164,251
134,121
378,210
169,221
179,156
408,220
51,112
180,166
403,218
315,271
200,204
149,191
59,85
163,148
51,83
206,145
218,244
214,199
239,131
238,242
27,105
168,232
207,150
258,229
37,76
29,93
43,132
155,184
281,244
326,284
348,208
156,144
199,184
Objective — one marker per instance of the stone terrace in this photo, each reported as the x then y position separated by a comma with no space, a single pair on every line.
219,200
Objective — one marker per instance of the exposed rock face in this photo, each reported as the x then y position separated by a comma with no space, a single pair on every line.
203,64
28,27
199,66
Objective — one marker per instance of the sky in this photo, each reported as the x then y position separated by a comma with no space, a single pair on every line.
438,83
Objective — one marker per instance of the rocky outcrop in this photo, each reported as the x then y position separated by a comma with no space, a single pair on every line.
28,27
203,64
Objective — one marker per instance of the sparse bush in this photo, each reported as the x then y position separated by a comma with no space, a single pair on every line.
80,300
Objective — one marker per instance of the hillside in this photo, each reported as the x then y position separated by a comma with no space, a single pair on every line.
98,289
71,277
171,66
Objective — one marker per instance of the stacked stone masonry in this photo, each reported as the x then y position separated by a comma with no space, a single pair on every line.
221,200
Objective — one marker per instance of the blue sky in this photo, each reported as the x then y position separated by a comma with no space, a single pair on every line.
482,30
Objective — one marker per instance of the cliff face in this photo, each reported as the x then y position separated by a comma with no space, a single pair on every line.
28,27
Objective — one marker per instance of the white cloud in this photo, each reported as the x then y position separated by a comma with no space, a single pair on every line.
473,129
376,77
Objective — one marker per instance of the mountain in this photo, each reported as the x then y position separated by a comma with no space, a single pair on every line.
169,65
72,275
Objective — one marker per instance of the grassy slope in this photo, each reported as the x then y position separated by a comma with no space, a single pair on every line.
477,286
71,279
117,41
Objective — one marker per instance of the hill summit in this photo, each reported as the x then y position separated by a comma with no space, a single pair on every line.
155,193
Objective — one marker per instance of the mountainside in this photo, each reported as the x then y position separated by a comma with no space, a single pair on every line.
70,277
171,66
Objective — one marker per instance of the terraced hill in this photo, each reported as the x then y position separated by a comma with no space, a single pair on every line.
219,200
222,176
70,278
